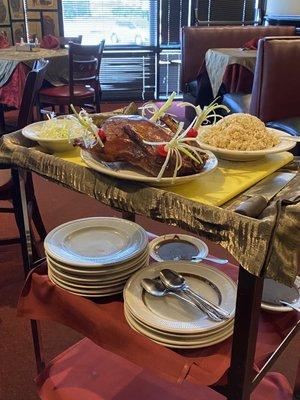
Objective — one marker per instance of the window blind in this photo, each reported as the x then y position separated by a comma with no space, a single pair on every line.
226,10
174,14
120,22
169,72
126,75
129,28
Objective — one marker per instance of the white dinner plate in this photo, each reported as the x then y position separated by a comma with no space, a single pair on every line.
184,343
96,241
110,271
89,286
171,314
86,293
183,335
92,280
274,291
33,132
177,247
125,171
238,155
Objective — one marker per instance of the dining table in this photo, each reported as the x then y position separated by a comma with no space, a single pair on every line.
265,246
15,65
225,70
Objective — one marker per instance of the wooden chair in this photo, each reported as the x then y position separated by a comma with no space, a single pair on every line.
84,86
65,40
33,84
34,81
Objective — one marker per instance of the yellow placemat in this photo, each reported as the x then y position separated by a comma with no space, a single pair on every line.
71,156
227,181
230,179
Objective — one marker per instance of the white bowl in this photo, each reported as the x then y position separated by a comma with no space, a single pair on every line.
54,145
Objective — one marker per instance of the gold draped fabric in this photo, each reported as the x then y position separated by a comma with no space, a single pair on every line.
267,246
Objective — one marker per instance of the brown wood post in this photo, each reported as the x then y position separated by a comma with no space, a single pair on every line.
241,373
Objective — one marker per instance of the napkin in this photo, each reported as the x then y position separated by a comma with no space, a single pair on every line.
3,42
50,42
251,44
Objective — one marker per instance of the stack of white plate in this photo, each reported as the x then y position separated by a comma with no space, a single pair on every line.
94,257
172,322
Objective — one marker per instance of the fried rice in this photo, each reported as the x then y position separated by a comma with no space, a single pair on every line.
239,132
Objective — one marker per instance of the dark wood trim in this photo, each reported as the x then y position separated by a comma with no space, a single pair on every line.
9,241
241,371
37,345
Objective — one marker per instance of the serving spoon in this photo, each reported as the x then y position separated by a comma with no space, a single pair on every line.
156,288
174,281
285,303
207,258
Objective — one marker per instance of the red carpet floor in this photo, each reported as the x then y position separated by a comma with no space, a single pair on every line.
17,367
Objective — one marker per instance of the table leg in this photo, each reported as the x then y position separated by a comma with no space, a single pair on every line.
37,345
21,211
241,372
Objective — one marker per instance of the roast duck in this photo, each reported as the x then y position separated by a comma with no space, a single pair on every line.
124,138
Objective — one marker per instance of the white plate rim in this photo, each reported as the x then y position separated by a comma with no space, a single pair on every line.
99,280
191,239
225,336
84,292
88,287
183,334
114,270
97,165
142,232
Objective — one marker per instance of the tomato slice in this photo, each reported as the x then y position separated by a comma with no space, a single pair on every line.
102,135
161,150
192,133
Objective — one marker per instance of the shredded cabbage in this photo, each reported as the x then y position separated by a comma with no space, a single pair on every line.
61,128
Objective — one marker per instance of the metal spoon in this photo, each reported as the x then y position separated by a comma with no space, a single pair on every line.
156,288
174,281
285,303
215,260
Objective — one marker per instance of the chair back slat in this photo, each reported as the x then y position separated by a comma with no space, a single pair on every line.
85,70
33,84
84,65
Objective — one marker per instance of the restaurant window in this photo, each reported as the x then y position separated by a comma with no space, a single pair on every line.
142,54
119,22
129,28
